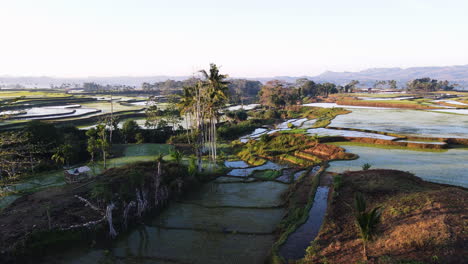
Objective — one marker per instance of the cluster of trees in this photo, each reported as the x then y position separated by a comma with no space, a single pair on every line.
277,93
201,104
429,85
243,91
390,84
96,88
40,146
168,87
239,90
157,118
308,88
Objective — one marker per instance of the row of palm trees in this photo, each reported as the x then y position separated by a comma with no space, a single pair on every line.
201,105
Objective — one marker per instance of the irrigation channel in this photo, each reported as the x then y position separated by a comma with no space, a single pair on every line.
231,219
295,246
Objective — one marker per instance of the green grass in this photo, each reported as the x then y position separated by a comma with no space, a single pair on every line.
345,143
294,131
148,149
266,174
31,94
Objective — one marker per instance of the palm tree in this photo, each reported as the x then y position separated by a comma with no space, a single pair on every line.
366,221
176,155
62,154
217,90
201,103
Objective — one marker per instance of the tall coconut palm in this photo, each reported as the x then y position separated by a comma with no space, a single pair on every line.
217,90
201,103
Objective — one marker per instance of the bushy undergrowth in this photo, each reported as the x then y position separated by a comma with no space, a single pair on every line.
281,147
232,130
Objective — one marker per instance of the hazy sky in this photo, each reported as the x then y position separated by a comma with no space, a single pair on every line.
76,38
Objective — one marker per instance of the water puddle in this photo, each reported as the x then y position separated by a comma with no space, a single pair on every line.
236,164
286,176
299,174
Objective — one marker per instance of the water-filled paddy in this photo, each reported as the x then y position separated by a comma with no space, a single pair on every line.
453,102
450,167
150,245
332,105
236,164
453,111
189,246
220,223
246,220
228,179
248,171
293,122
245,107
254,194
405,122
346,133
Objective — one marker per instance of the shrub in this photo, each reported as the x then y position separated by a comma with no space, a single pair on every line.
265,138
272,114
366,166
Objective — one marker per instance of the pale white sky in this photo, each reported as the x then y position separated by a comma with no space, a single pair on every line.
252,38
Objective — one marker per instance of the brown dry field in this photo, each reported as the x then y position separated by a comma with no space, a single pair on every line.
422,222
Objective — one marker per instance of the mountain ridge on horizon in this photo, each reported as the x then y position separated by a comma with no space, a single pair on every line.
455,73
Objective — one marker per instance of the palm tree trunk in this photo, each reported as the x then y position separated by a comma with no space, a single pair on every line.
104,158
364,247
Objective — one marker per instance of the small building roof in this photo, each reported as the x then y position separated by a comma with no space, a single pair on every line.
79,170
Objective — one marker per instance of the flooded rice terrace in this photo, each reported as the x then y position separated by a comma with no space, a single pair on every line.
406,122
450,167
223,222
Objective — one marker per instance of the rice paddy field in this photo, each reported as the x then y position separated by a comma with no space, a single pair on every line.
448,167
224,222
59,107
406,122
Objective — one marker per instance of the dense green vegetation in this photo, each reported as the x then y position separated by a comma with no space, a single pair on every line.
282,147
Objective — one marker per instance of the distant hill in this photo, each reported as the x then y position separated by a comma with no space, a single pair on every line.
456,74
